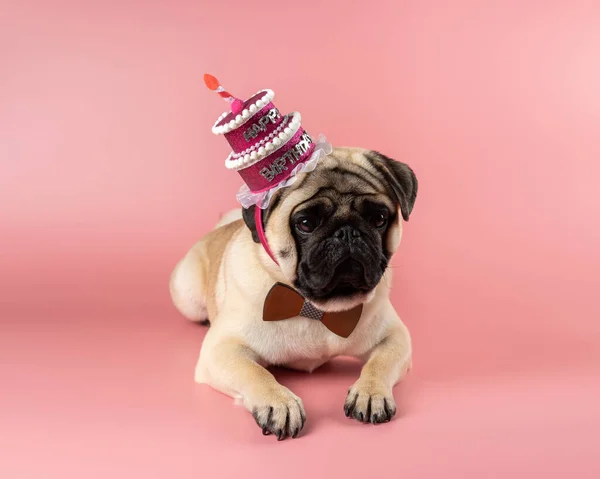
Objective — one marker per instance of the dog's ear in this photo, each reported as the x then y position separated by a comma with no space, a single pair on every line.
401,179
250,220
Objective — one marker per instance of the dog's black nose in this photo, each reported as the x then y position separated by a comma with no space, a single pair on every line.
347,233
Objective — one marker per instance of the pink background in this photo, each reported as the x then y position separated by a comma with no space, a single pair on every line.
109,172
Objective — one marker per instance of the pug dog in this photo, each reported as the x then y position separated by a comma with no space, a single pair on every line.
333,233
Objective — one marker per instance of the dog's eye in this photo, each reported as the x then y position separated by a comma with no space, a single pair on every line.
379,220
306,224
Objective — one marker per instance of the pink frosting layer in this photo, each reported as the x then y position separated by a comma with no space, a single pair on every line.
276,165
240,139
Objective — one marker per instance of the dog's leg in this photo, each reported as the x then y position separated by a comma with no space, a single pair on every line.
232,368
188,284
370,399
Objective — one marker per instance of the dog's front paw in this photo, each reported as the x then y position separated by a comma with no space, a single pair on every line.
279,412
370,403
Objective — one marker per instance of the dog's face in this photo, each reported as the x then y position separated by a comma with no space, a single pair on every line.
335,229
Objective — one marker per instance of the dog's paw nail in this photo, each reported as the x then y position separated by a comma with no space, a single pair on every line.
368,404
282,416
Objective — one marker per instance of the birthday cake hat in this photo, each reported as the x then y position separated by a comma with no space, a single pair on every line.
268,149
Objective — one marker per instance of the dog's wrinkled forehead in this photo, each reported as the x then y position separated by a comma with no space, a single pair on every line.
348,173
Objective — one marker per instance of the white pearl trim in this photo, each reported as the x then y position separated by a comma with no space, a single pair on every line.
232,163
245,115
266,139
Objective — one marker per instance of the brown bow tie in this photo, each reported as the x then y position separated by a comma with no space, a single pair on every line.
283,302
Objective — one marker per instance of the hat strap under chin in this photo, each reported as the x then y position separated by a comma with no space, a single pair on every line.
261,232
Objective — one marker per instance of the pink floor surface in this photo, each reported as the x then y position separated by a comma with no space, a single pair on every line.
111,395
109,172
